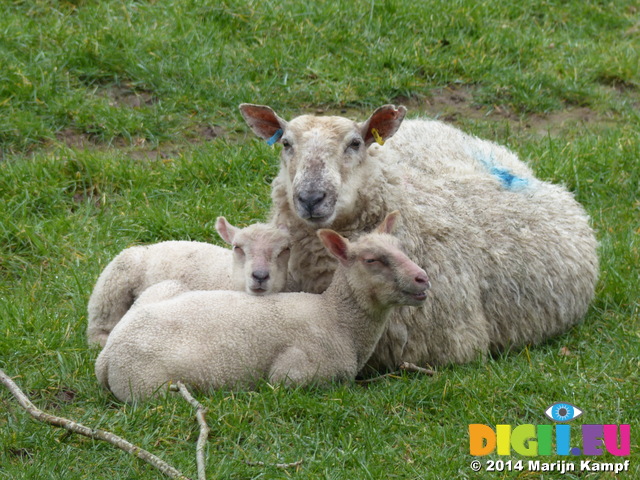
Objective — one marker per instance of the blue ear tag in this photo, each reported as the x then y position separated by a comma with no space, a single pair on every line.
275,138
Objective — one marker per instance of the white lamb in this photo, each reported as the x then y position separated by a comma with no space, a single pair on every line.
257,265
512,259
218,339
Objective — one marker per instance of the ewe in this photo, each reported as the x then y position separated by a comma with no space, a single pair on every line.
512,259
224,339
258,265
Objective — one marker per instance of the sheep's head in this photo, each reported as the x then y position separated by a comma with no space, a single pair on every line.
323,158
260,256
376,267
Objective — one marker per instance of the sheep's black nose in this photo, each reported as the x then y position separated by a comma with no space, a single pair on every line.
260,275
311,199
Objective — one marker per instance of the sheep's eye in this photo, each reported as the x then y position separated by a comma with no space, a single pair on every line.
381,260
355,143
284,252
237,250
286,143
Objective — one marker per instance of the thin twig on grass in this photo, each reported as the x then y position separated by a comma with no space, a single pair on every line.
201,411
277,465
95,434
409,367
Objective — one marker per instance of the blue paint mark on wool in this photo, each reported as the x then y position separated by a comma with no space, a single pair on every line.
508,179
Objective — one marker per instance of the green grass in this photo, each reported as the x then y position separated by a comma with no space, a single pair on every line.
131,80
75,65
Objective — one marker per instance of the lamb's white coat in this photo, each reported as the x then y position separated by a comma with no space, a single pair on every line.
257,264
226,339
512,258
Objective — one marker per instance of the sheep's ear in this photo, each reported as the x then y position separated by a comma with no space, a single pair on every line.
389,222
337,245
263,121
382,124
226,230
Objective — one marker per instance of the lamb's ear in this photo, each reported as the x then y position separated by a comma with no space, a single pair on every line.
389,222
337,245
263,121
226,230
382,124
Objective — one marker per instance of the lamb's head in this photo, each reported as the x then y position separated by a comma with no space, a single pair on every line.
377,269
260,256
323,160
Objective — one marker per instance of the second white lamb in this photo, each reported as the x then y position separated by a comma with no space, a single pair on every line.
257,265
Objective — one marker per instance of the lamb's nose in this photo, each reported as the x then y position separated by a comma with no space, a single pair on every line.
422,280
311,199
260,275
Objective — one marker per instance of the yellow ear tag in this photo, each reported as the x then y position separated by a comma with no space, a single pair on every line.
377,136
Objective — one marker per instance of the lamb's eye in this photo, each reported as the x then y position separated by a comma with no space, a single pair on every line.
286,143
370,261
237,250
286,251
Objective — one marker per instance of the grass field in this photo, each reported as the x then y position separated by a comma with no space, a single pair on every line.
119,126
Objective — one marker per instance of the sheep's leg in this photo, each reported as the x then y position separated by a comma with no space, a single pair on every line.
292,367
398,337
390,350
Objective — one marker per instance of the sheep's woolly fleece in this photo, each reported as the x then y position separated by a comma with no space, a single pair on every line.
512,259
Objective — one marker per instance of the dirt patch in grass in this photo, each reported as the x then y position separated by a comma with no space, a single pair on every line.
138,148
455,104
554,123
127,96
20,453
204,133
76,140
